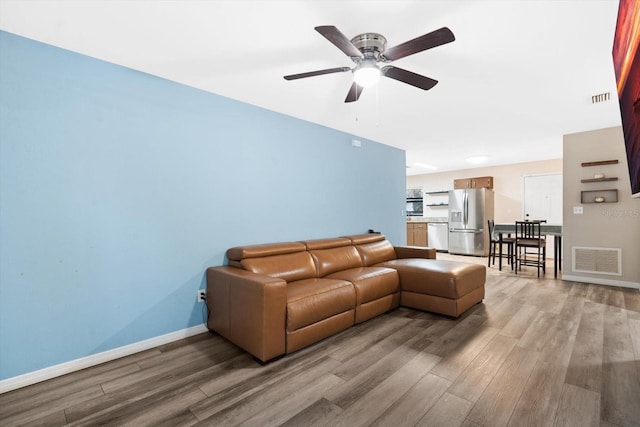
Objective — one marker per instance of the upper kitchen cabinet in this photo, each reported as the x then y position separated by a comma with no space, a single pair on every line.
478,182
460,184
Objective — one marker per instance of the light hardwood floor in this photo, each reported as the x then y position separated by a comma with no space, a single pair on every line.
538,352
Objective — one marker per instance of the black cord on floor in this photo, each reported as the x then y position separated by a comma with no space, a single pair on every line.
205,314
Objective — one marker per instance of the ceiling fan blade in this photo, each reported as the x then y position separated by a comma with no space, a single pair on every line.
408,77
341,41
354,93
317,73
424,42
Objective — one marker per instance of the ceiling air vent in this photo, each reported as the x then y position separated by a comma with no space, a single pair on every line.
597,260
601,97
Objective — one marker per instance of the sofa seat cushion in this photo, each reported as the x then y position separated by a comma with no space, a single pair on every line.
371,283
447,279
312,300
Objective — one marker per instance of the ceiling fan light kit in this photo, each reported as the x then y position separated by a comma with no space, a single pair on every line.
367,50
366,73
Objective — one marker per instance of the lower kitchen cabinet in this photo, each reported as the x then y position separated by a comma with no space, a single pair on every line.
417,234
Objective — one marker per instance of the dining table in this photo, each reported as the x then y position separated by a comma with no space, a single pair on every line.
546,229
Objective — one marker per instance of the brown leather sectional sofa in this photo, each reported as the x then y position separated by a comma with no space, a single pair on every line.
276,298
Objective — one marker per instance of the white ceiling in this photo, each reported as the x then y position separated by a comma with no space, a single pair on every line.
519,75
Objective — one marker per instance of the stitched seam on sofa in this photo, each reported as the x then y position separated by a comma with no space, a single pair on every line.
324,292
319,320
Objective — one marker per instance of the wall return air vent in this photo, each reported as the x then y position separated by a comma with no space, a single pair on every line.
601,97
597,260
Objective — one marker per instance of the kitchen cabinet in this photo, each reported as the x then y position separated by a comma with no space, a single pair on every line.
459,184
482,182
477,182
417,234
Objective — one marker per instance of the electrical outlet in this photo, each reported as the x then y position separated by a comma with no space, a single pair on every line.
202,295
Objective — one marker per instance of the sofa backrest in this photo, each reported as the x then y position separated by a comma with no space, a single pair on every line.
373,248
331,255
287,261
239,253
334,242
337,259
293,261
289,267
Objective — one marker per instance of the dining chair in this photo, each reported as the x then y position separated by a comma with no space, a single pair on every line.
529,242
494,242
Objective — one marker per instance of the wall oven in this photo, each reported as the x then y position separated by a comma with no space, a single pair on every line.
414,202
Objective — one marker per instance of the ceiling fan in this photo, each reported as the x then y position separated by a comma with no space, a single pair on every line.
369,49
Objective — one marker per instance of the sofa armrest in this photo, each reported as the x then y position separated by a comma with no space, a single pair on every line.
248,309
414,252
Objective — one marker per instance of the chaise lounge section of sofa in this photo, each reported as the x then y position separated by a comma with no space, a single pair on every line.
274,299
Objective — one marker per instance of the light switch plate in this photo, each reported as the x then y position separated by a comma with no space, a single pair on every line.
577,210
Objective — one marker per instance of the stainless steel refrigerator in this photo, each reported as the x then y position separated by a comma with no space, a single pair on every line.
469,211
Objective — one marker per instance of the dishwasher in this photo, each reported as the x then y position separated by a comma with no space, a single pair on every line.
438,236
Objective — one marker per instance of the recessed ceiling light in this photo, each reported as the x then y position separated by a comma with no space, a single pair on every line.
425,166
477,159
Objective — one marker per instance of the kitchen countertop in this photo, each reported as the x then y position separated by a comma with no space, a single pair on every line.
426,219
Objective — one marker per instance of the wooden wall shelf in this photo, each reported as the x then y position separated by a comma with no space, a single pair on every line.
608,196
603,162
613,178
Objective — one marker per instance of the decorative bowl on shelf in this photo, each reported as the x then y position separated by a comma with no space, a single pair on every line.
599,199
598,176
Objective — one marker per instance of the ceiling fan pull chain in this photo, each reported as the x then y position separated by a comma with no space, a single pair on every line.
377,105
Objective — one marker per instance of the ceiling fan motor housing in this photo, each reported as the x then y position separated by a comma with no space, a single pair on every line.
371,45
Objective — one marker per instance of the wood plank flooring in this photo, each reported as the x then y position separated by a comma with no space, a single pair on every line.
540,352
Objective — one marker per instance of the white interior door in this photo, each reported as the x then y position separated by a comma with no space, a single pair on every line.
542,199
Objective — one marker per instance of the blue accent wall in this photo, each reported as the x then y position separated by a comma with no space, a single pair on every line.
118,189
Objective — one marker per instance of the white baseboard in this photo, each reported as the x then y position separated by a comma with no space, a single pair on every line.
599,281
29,378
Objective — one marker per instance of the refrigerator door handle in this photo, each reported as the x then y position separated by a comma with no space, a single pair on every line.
466,208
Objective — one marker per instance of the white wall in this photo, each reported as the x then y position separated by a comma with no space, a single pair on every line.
118,189
601,225
507,185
